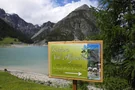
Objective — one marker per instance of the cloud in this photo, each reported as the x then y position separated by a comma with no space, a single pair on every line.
40,11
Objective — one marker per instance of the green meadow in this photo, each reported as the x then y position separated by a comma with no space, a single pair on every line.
9,40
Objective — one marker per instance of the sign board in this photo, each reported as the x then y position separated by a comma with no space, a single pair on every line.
76,60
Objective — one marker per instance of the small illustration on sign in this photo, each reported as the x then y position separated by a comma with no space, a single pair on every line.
92,53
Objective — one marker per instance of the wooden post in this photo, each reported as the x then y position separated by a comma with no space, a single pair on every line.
74,84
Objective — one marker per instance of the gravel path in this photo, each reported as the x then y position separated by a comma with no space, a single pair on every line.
41,78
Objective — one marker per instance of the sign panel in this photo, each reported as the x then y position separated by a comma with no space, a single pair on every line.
76,60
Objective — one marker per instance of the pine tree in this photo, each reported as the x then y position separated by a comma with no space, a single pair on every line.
116,20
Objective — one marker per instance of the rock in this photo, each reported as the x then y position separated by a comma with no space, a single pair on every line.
5,70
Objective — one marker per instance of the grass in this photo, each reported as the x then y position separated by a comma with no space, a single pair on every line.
9,40
9,82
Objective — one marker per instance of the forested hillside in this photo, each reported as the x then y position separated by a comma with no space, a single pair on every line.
8,31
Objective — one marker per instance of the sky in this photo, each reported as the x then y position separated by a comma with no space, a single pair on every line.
41,11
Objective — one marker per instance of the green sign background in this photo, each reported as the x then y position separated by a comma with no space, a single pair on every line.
66,61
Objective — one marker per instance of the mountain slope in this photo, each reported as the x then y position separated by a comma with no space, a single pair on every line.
19,24
43,32
78,25
8,31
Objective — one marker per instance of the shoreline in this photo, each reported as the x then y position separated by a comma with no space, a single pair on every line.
20,45
39,78
44,79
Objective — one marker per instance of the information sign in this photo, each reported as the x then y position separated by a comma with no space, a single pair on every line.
76,60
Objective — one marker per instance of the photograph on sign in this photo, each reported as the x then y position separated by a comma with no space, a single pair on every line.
76,60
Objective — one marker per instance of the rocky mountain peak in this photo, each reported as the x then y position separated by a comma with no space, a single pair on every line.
2,11
82,11
77,25
47,24
43,32
18,23
15,15
83,7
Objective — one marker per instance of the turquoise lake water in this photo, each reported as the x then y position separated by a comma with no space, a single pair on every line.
32,59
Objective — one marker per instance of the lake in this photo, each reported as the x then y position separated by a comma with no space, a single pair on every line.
32,59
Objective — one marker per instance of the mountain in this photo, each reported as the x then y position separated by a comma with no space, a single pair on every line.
43,32
19,24
77,25
8,31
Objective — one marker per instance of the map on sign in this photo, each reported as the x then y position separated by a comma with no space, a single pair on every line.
78,60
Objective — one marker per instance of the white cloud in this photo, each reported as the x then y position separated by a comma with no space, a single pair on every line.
40,11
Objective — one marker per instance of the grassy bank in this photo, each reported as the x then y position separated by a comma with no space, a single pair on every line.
9,82
9,40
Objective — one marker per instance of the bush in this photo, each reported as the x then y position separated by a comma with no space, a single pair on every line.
83,85
114,83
